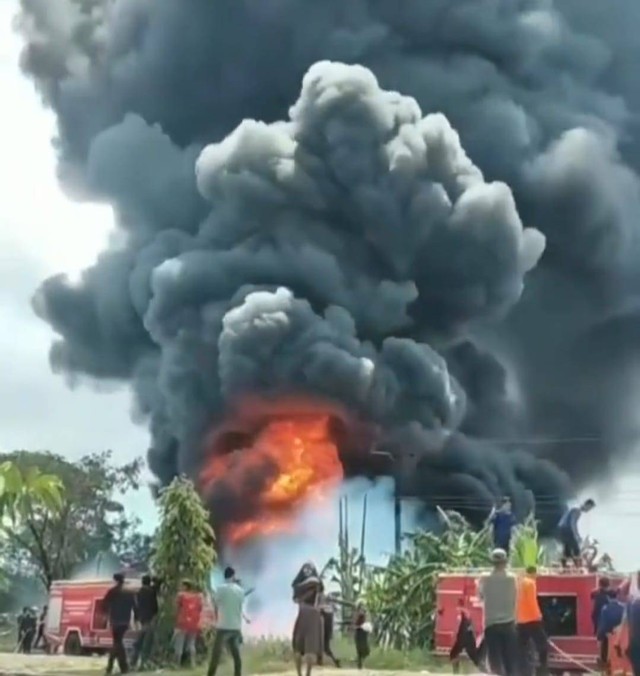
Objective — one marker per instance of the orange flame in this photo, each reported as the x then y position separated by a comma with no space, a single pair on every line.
300,462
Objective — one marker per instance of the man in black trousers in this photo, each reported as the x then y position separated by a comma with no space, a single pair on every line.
147,611
119,604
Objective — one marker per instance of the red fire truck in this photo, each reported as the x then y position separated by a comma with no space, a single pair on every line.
565,602
76,623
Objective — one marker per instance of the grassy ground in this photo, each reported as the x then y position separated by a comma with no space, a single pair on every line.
259,657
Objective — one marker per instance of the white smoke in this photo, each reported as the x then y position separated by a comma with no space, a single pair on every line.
270,566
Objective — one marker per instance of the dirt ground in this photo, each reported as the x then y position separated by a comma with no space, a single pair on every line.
59,665
13,664
54,665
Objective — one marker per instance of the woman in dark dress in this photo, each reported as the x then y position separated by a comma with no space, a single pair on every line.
308,640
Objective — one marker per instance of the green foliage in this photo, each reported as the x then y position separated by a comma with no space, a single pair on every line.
22,492
25,495
184,549
264,656
402,596
347,570
185,541
525,550
47,544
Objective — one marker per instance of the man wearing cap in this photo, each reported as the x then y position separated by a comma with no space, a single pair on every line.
498,590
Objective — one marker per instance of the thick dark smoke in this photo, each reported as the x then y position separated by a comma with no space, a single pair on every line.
350,247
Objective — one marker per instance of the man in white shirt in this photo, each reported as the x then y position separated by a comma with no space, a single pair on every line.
229,600
498,591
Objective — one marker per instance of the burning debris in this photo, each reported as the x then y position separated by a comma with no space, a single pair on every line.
350,252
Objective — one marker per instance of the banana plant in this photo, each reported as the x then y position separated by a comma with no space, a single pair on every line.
401,597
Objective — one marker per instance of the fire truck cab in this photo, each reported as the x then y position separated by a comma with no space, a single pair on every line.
565,602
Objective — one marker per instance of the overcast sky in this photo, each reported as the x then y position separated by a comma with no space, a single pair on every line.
41,233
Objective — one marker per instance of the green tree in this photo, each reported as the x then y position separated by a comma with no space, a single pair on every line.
24,492
185,541
184,549
25,495
90,519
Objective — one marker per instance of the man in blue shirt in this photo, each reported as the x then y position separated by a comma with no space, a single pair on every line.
610,617
503,522
568,532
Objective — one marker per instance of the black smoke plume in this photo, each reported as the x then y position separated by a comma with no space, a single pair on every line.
348,247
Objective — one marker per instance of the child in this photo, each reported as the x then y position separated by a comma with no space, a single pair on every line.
465,640
361,634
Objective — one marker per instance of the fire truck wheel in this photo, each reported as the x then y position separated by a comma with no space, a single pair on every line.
72,645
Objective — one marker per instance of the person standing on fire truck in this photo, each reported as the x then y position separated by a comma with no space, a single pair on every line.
119,605
569,536
503,521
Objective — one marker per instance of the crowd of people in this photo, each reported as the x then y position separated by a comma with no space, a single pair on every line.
513,632
312,632
121,604
514,638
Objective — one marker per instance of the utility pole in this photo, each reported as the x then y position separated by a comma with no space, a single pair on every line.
397,500
397,520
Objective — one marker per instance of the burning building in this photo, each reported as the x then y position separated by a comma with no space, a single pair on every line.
317,259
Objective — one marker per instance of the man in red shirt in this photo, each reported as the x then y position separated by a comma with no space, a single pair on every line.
189,611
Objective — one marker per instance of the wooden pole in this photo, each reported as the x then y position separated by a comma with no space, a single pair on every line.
364,524
363,535
397,521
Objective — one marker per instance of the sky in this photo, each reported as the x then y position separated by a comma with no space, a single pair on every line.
43,233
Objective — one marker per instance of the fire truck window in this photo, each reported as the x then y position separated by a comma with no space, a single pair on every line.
559,615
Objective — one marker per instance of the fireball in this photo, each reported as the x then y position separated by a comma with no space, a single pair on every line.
286,458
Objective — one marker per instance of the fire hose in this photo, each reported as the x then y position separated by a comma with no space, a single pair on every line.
567,657
571,659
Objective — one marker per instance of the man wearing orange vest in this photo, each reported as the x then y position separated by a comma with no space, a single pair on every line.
529,624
